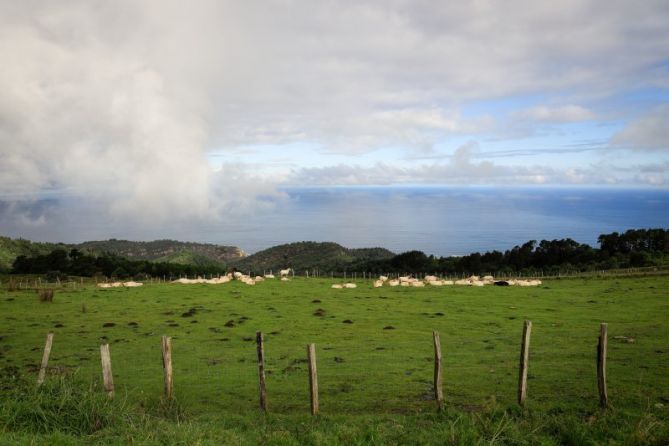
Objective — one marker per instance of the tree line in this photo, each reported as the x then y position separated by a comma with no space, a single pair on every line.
61,262
630,249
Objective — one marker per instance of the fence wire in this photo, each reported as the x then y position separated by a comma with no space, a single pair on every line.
220,374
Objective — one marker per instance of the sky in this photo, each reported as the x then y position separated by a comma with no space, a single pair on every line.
156,112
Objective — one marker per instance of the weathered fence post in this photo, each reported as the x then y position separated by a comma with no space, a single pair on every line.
45,359
166,346
107,378
438,377
261,371
601,365
524,359
313,378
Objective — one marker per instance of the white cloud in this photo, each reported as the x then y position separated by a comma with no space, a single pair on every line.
556,115
649,132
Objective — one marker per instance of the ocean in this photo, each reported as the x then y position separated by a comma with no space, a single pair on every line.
447,220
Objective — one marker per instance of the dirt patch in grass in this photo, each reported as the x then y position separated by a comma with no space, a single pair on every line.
320,312
347,321
108,324
189,313
388,327
229,324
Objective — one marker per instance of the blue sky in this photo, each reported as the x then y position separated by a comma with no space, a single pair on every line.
148,109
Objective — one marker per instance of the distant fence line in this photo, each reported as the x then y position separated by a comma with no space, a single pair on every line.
36,283
439,397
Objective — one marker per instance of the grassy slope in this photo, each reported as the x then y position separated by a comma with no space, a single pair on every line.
374,383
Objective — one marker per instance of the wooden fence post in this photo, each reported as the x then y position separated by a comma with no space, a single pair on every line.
601,365
261,371
313,378
107,378
524,359
438,377
45,359
166,346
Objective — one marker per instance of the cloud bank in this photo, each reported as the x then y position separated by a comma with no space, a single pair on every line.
119,103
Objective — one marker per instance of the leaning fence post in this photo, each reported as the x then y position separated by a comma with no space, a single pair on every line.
261,371
166,346
601,365
107,378
524,359
313,378
438,377
45,359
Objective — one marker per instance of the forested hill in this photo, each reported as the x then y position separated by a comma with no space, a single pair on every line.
164,251
10,249
300,256
171,251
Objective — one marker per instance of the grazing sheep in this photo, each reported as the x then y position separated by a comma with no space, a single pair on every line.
431,278
393,282
350,285
417,283
132,284
269,276
383,278
378,283
337,286
285,279
463,282
435,282
447,282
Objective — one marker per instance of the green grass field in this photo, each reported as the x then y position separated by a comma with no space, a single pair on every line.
375,362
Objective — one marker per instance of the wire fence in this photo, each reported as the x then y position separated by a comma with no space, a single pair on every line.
396,374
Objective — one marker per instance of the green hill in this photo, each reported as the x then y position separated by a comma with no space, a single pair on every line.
158,250
10,249
165,251
325,256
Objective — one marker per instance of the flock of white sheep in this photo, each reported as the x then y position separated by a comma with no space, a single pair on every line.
381,281
241,277
435,281
120,284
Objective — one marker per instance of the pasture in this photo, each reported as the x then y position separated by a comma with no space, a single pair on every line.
374,354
